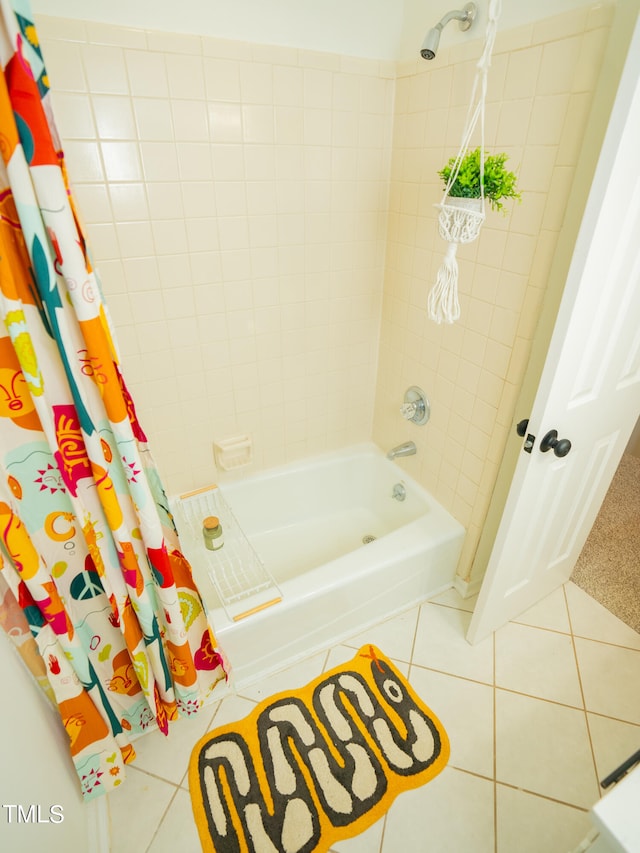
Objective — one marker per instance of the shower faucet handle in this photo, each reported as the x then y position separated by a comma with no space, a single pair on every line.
408,410
416,407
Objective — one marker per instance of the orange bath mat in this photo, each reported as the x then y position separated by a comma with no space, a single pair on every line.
308,768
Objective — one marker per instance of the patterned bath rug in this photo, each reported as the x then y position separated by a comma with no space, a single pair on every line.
316,765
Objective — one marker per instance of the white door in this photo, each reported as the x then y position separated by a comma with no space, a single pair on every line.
590,386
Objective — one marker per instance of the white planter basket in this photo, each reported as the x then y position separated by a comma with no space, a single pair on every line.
460,219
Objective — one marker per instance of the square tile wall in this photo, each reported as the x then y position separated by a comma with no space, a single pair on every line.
235,197
540,88
245,204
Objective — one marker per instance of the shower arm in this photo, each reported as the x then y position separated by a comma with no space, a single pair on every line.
464,16
455,15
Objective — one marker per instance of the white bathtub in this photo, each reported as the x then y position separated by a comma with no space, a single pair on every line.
307,521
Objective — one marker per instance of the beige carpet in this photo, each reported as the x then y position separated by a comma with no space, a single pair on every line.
609,566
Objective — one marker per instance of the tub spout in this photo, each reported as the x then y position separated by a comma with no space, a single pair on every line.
406,449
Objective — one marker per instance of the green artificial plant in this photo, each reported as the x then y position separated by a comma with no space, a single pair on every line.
499,183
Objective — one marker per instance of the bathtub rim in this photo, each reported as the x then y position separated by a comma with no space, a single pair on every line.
324,606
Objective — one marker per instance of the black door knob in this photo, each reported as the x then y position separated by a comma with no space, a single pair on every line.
551,442
521,429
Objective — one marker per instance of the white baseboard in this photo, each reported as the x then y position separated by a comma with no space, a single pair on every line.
467,588
98,825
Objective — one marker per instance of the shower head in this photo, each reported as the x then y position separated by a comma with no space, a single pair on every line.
431,41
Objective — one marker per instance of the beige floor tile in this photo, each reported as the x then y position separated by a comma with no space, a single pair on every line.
610,679
168,757
394,637
339,655
537,662
290,678
544,748
231,709
591,620
366,842
140,795
613,742
544,752
527,823
441,644
450,814
452,598
178,829
549,613
450,698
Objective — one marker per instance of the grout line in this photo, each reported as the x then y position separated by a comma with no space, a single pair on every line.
584,701
384,826
153,775
540,698
473,773
250,698
519,692
355,648
542,628
326,658
606,643
613,719
448,606
572,633
581,809
185,777
452,674
164,814
415,637
519,788
214,711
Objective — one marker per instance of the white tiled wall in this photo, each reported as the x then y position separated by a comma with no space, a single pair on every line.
541,84
235,197
249,206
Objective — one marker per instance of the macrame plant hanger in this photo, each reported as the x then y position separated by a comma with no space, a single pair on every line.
460,219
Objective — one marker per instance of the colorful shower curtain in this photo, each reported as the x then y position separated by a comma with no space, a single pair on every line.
93,588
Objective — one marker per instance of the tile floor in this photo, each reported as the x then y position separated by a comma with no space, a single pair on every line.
536,715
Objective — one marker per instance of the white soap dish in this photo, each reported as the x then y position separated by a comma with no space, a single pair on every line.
232,453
